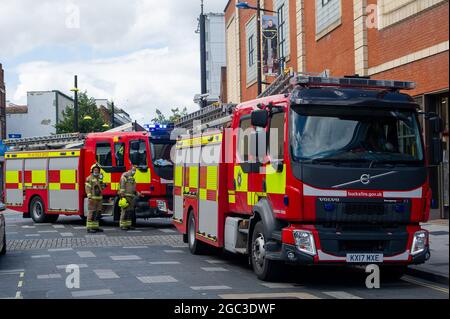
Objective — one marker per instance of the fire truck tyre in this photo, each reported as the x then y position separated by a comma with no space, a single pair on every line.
264,269
3,251
185,238
392,273
37,211
195,246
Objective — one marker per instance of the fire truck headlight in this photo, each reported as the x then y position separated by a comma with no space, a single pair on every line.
419,242
304,241
161,204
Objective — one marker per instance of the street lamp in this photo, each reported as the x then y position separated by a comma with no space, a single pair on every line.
75,113
246,6
87,118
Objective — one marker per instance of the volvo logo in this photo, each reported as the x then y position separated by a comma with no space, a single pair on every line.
365,179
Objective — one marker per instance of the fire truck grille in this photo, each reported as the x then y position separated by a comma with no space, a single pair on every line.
369,209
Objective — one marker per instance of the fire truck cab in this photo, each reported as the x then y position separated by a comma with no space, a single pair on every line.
334,172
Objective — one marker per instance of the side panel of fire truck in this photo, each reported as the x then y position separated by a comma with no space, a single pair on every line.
199,186
53,177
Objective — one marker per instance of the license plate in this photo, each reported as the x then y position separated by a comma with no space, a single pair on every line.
364,258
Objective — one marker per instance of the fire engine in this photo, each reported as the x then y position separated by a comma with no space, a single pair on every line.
45,176
332,172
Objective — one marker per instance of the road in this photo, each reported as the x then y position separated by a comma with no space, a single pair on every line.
153,262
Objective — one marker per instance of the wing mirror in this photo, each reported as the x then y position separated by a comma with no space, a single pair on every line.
260,118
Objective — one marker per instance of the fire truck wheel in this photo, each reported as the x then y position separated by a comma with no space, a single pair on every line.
195,246
37,210
264,269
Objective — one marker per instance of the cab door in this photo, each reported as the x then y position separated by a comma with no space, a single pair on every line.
138,155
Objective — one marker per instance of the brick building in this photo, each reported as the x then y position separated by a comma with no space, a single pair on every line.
384,39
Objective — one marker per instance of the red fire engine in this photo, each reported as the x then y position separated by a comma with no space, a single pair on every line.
334,172
45,176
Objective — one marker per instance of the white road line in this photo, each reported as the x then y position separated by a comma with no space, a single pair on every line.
174,251
297,295
59,226
127,257
66,234
136,247
106,274
167,230
47,231
11,271
92,293
164,263
32,235
341,295
59,249
156,279
214,269
211,288
279,285
215,262
424,284
86,254
50,276
40,256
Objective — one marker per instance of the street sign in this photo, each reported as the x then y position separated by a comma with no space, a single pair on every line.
14,136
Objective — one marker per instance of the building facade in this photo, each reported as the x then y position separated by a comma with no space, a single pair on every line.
43,111
2,104
120,116
384,39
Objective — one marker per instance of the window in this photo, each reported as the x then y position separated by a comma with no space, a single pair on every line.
282,9
251,45
276,133
281,34
244,139
251,51
103,154
328,15
138,153
119,150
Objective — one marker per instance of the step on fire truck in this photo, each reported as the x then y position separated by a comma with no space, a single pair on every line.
333,172
45,176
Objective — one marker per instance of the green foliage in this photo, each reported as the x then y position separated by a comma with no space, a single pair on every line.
86,107
176,115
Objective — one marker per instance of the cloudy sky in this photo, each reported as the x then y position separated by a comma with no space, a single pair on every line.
144,54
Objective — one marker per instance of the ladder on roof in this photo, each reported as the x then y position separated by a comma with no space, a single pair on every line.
57,141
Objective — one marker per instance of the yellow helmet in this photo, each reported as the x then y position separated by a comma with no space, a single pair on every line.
95,166
123,203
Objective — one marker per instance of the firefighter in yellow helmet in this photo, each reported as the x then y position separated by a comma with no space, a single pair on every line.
127,195
94,188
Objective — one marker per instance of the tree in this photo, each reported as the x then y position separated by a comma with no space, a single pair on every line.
176,115
86,107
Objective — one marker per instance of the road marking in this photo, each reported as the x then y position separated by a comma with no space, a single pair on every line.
136,247
214,269
47,231
106,274
279,285
216,262
66,234
65,266
40,256
156,279
424,284
28,227
50,276
18,295
211,288
32,235
21,275
340,295
86,254
59,226
59,249
164,263
127,257
11,232
11,271
92,293
167,230
20,284
283,295
174,251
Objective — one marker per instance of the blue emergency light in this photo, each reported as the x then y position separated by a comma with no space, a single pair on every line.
159,131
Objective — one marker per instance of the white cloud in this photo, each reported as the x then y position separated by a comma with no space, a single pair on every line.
153,52
140,82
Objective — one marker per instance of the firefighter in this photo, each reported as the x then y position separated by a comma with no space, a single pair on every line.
94,188
127,195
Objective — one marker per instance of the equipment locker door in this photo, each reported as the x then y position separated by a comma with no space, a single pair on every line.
180,158
14,182
208,212
63,194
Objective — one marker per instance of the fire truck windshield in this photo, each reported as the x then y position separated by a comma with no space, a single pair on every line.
323,134
162,162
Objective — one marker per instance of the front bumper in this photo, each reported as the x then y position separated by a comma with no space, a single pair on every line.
332,246
153,208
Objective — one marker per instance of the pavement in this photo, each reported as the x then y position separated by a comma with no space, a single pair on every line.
152,262
437,268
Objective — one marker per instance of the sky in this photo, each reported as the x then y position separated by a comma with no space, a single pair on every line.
143,54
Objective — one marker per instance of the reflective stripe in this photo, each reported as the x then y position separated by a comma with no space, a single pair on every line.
211,179
178,176
275,182
193,177
232,199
